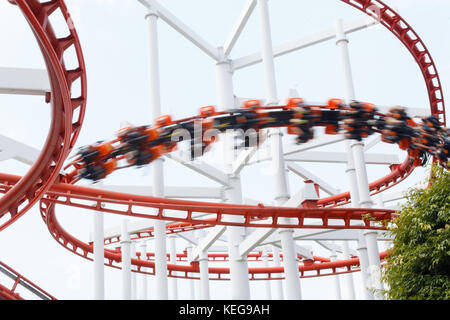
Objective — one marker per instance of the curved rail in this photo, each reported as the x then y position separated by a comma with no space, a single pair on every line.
22,193
67,110
12,294
389,19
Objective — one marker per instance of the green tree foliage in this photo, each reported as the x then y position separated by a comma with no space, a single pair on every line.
418,265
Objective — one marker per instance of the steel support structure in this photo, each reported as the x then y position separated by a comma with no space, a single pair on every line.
278,284
292,278
126,261
356,167
157,166
337,284
239,278
348,278
63,135
173,261
143,291
203,265
133,274
99,257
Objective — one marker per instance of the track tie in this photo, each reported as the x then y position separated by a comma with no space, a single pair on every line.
50,6
66,43
77,102
72,75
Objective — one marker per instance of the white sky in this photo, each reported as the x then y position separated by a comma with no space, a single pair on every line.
113,35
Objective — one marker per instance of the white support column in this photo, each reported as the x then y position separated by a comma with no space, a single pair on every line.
342,44
292,278
126,261
357,169
240,285
191,282
99,257
203,266
162,290
157,165
133,274
143,295
379,200
361,174
265,259
348,278
267,52
277,283
204,276
364,263
173,260
337,284
374,262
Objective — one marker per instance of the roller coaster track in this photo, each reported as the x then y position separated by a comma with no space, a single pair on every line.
12,294
43,181
67,111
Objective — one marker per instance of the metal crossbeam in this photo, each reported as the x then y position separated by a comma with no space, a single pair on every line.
24,81
202,168
258,236
170,192
302,43
305,174
341,157
238,27
264,154
12,149
214,234
182,28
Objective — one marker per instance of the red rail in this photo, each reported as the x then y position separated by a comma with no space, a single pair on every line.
12,294
23,192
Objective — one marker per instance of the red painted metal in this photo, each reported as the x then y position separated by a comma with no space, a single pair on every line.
23,192
67,111
12,294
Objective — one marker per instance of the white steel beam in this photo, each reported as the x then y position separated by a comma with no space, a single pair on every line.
302,43
260,234
324,235
239,26
126,261
202,168
182,28
330,246
393,196
99,257
341,157
170,192
264,154
189,237
134,226
242,159
251,202
305,174
372,144
12,149
24,81
206,242
302,251
254,240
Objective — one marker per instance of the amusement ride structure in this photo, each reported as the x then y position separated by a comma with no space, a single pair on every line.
254,233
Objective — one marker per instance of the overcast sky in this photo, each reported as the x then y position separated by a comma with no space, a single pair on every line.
114,39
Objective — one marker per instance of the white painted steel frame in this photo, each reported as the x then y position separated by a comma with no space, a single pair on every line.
224,71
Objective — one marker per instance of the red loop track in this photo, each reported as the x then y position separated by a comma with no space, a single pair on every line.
41,181
67,111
